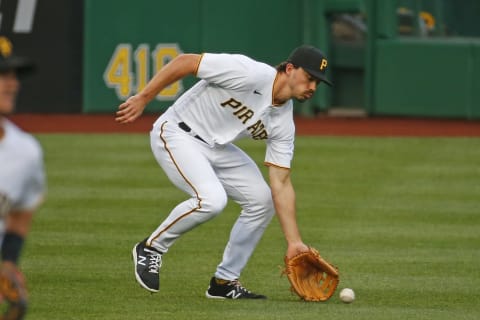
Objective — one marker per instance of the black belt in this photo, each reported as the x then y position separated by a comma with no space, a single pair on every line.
186,128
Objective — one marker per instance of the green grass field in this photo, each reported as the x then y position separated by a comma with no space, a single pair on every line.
399,216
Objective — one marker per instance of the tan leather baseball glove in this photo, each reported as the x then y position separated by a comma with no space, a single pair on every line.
312,277
13,292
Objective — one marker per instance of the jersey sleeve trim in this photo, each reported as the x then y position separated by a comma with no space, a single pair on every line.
269,164
31,207
198,64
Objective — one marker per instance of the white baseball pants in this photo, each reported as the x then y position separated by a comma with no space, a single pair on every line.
210,175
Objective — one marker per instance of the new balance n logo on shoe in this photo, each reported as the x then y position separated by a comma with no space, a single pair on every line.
142,260
233,294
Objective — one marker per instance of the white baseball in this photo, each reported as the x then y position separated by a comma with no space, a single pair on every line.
347,295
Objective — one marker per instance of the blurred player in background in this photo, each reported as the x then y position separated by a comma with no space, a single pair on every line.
192,141
22,183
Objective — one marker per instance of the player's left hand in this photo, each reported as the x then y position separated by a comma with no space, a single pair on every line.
312,277
131,109
294,249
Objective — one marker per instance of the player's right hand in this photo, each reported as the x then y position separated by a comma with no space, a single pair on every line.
130,110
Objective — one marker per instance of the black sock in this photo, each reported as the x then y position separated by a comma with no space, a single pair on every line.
11,247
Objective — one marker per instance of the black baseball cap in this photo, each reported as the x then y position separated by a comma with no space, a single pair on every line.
312,60
9,61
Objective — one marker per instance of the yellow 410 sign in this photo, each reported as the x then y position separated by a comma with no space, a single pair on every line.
120,77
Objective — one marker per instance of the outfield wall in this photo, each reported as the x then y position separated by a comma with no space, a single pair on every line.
435,77
126,42
92,55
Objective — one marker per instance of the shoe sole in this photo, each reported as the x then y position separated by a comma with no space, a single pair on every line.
214,297
224,298
137,277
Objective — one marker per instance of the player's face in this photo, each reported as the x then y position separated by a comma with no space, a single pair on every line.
9,86
303,85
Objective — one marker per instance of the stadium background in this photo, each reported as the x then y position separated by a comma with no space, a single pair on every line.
391,57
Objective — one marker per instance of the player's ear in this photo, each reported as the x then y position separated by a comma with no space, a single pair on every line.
289,67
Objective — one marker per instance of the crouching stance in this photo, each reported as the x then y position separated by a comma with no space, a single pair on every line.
192,142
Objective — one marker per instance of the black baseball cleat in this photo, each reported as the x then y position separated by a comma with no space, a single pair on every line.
147,262
230,290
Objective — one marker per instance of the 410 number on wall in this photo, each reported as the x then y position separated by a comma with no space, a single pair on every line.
129,70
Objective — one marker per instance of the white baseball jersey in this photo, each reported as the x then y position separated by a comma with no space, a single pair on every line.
233,100
192,144
22,176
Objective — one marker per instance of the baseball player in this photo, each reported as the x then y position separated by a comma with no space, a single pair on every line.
236,97
22,183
